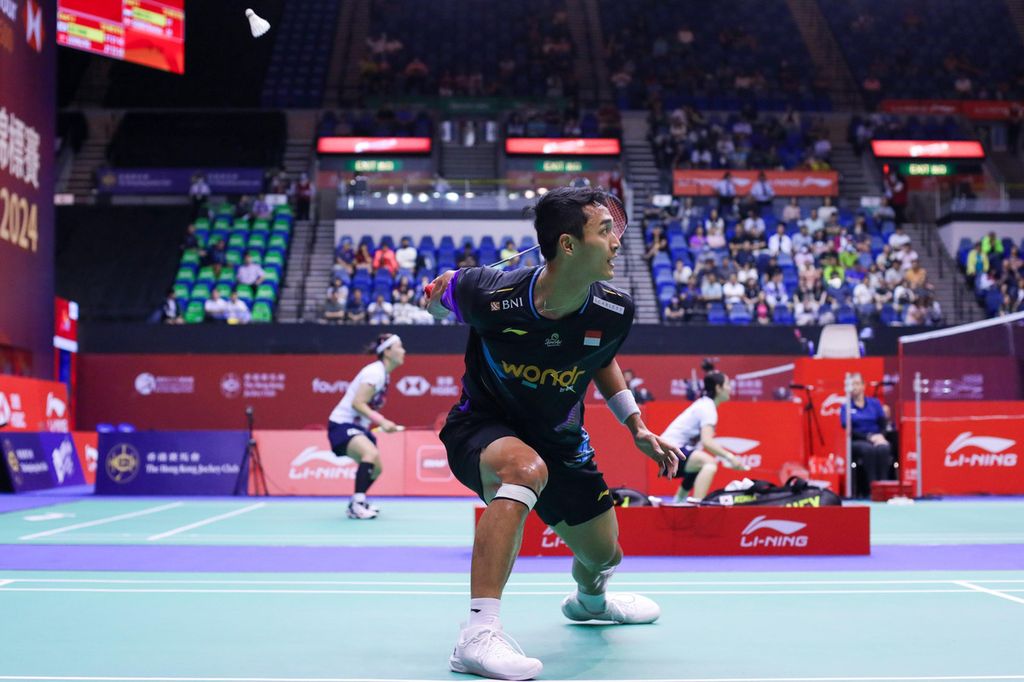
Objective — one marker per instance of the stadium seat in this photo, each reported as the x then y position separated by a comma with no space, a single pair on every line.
717,314
261,312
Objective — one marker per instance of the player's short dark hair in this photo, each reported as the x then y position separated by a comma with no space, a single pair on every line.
712,380
559,212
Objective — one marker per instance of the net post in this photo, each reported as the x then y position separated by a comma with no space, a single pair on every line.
848,404
918,389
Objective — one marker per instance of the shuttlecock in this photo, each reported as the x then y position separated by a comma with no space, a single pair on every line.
258,24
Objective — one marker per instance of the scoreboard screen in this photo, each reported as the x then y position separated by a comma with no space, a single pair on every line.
146,32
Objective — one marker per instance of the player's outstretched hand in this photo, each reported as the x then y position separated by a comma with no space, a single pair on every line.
434,291
389,426
667,456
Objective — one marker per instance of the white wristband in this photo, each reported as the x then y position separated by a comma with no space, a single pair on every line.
623,405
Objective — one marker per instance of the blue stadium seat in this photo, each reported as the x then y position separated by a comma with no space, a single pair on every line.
717,314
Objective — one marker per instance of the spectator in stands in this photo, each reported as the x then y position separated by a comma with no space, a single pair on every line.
363,260
403,292
725,190
805,311
237,311
191,241
341,267
714,219
992,246
864,302
747,273
249,272
716,238
681,273
827,210
791,213
693,302
898,238
977,262
337,286
260,208
780,243
775,291
813,222
884,212
674,312
355,311
917,277
802,240
755,226
379,311
170,312
466,259
659,243
216,257
932,311
762,193
711,289
733,290
334,308
762,309
301,194
406,255
199,192
896,193
216,307
385,259
906,257
509,251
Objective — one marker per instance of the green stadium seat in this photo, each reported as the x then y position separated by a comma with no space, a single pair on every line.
282,209
257,256
237,240
200,292
241,224
190,257
258,241
245,293
274,258
277,241
266,292
227,275
271,277
195,313
261,224
233,258
202,224
281,226
221,224
261,313
224,288
181,291
206,275
185,274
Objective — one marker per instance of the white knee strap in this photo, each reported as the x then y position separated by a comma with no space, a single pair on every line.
519,493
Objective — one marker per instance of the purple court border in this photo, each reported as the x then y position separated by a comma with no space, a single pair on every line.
249,559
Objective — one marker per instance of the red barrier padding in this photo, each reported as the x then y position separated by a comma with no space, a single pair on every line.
722,531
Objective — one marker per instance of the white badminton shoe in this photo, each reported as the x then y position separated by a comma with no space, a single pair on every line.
620,607
361,510
488,651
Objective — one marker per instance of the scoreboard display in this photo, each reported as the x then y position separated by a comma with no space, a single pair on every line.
146,32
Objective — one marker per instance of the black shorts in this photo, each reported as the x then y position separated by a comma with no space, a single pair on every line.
573,495
689,477
340,434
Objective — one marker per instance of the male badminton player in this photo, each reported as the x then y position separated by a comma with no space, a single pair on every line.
348,427
693,432
538,336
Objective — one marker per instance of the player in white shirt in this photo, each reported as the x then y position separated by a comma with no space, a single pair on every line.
693,432
348,427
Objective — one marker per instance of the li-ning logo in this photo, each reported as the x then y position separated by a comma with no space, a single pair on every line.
783,533
984,451
739,446
832,405
319,464
553,341
551,539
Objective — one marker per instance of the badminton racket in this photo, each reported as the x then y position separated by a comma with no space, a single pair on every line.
620,221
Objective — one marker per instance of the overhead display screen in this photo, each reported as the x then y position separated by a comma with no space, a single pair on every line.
145,32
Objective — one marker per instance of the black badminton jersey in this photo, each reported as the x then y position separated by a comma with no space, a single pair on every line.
529,371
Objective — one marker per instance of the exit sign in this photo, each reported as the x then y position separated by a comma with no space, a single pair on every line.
915,168
373,165
560,166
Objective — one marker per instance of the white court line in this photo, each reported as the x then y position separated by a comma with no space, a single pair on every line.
994,593
514,584
5,582
100,522
766,372
206,522
886,678
462,592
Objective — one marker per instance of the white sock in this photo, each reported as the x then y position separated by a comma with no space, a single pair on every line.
484,611
595,603
359,497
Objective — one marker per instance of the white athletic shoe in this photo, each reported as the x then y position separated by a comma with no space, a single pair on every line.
361,510
488,651
620,607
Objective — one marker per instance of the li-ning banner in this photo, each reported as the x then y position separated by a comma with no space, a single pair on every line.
979,109
39,461
178,180
33,405
181,392
170,463
970,447
27,116
785,183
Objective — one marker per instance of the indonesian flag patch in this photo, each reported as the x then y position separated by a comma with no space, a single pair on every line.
592,338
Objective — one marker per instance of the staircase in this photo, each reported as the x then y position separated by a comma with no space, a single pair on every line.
596,36
302,258
642,174
479,162
828,59
359,30
339,56
585,62
297,155
951,291
81,180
